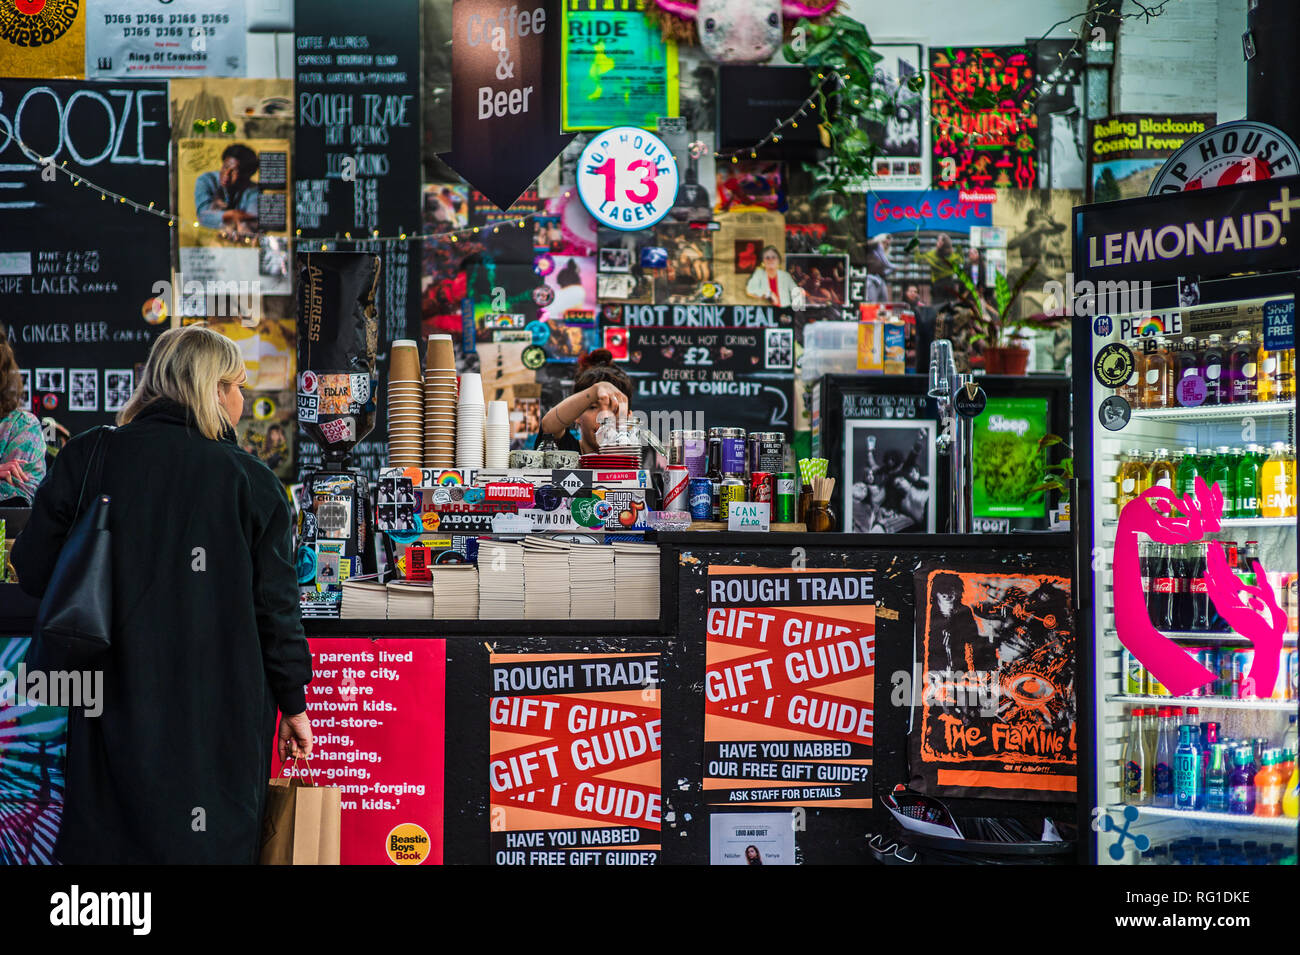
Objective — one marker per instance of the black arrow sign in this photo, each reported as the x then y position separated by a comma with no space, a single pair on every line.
505,104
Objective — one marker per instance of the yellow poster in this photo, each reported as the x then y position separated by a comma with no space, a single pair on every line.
43,39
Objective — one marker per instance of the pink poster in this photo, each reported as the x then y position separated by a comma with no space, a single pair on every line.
377,714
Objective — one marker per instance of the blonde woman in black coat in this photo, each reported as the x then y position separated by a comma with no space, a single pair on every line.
207,643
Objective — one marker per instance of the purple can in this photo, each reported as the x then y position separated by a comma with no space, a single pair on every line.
732,449
690,450
700,496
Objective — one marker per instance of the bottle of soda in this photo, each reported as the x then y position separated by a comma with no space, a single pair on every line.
1198,591
1146,566
1158,377
1188,469
1136,763
1269,783
1163,794
1162,469
1220,473
1209,737
1216,779
1131,390
1245,483
1241,783
1269,373
1249,555
1184,561
1212,358
1242,369
1188,793
1164,587
1133,478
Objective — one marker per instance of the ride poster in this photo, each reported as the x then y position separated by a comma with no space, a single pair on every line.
788,687
377,715
574,758
998,709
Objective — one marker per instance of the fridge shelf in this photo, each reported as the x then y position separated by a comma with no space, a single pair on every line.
1212,702
1219,818
1288,638
1230,522
1253,409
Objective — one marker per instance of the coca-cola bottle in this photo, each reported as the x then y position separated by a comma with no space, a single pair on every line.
1199,594
1164,588
1181,618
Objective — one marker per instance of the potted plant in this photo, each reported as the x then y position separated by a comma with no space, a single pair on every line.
1057,477
1003,352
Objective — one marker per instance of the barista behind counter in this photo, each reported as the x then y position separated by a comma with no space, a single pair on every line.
599,386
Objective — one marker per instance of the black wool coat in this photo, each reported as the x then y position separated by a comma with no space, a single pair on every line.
207,642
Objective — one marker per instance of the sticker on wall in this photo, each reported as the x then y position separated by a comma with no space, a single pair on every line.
1114,413
533,357
1114,365
627,178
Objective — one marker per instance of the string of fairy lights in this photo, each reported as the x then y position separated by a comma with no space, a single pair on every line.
834,78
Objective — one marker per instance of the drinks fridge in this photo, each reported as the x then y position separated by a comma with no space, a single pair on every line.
1187,384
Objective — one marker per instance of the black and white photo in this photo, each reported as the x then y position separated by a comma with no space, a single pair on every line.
889,470
779,348
118,385
84,393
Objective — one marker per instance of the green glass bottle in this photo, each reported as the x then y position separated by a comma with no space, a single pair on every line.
1188,468
1245,482
1220,473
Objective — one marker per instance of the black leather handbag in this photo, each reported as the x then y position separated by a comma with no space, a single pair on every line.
75,619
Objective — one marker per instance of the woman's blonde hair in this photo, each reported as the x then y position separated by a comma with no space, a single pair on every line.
187,365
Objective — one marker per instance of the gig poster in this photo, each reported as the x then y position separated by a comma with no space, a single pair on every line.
998,710
46,39
983,128
788,687
377,715
617,69
80,269
574,768
143,39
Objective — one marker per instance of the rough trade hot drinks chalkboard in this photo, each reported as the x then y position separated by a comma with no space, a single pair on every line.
357,145
704,378
77,271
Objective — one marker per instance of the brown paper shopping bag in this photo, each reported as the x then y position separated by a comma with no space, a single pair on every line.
303,822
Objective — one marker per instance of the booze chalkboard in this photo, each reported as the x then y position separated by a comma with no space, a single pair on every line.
712,377
77,270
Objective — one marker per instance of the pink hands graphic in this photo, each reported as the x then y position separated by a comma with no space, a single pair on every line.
1181,521
1252,611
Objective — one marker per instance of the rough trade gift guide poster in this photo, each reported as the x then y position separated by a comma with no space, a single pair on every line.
789,695
574,759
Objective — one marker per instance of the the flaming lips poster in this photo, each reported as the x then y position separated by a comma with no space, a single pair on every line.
789,695
574,759
998,711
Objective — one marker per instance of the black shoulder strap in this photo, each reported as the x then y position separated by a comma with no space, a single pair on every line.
95,466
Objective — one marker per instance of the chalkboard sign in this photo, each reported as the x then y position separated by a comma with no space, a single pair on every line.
704,378
77,271
357,120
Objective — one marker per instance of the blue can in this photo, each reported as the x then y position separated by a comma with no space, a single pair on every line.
700,495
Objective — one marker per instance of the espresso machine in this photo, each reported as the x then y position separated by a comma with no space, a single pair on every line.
338,337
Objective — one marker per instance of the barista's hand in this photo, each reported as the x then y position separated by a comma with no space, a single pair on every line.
604,396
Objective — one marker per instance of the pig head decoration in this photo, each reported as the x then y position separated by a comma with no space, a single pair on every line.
741,31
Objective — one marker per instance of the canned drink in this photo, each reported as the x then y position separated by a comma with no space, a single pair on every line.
676,479
688,449
760,487
1291,587
700,493
1155,687
765,451
731,490
731,450
1208,657
1292,674
1133,677
1236,670
785,498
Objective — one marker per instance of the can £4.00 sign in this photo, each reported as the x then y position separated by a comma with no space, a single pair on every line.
627,178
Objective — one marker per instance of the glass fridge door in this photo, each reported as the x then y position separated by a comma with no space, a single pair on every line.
1194,753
